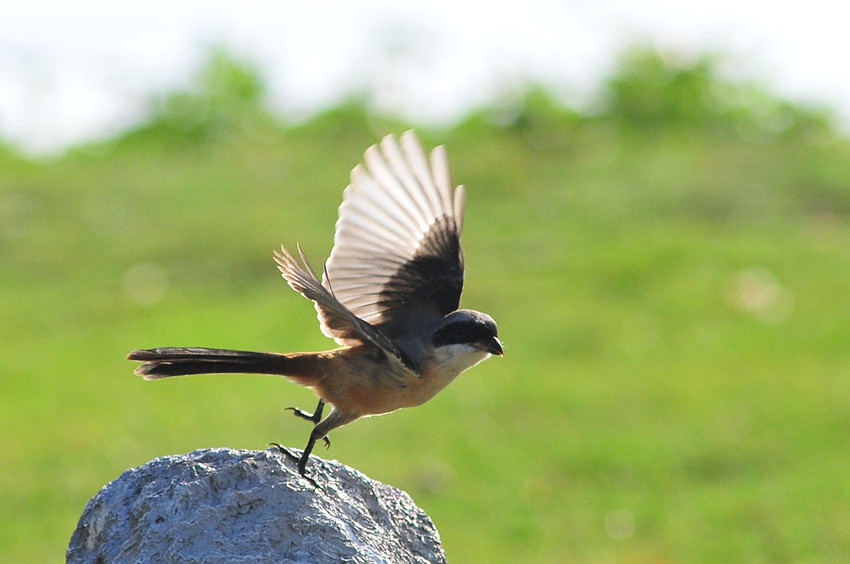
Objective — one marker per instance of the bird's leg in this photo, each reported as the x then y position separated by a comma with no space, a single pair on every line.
320,431
302,470
302,462
315,417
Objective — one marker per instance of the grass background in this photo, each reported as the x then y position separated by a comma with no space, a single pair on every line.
670,278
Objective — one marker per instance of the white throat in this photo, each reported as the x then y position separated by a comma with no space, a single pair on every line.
454,359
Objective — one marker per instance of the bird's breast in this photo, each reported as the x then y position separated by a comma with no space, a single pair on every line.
361,384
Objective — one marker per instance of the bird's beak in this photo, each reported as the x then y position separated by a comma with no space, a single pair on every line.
493,346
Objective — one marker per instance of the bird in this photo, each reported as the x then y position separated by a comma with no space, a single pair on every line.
389,296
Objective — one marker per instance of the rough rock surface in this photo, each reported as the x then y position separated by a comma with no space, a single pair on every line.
224,505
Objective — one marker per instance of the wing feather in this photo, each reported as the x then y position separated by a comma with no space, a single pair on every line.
397,242
337,321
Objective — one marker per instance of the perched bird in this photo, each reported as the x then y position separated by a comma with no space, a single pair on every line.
389,296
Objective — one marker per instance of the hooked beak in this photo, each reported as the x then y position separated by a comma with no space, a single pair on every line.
493,346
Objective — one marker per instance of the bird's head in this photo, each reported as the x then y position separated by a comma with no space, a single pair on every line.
466,337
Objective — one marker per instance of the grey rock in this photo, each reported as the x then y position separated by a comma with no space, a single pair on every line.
225,505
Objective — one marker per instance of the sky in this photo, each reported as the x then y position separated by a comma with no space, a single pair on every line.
77,71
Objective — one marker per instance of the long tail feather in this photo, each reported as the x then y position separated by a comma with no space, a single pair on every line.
180,361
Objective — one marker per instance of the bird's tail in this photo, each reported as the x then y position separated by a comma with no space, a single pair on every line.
180,361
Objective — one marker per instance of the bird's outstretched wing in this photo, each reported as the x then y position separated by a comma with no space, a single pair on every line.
336,320
397,256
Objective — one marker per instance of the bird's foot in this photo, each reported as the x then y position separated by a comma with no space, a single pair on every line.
302,469
314,417
288,453
298,412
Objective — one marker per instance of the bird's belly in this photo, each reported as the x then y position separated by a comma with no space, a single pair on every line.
362,387
385,394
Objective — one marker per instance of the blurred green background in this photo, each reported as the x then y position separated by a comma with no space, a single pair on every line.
669,273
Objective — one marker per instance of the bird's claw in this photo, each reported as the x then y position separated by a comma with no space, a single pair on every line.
298,412
297,459
288,453
314,417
